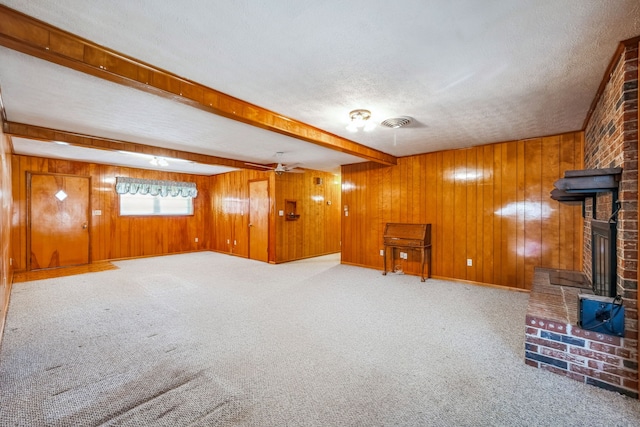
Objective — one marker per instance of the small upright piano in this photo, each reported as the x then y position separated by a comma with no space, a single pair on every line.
408,236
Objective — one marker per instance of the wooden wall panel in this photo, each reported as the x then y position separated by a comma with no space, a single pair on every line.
459,213
448,228
489,204
520,192
112,236
230,210
533,207
310,235
509,218
498,212
488,266
316,232
6,269
551,225
470,214
571,237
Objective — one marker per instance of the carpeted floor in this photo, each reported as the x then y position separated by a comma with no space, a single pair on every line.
206,339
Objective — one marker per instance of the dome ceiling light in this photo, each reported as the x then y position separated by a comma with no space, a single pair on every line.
359,120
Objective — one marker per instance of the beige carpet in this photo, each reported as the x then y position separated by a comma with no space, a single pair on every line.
206,339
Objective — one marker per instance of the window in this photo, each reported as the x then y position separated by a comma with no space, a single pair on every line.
146,204
153,197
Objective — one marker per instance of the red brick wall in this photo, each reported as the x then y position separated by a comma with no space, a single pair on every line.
554,341
611,140
584,356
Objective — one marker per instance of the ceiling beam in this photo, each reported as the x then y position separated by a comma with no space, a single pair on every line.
22,130
36,38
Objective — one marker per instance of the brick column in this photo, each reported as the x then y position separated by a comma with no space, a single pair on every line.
611,140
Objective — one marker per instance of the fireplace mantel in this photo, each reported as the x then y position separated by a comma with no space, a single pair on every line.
588,181
578,185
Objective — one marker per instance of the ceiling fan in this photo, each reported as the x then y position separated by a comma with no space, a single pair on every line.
280,168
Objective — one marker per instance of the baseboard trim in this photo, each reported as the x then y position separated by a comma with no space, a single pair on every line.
486,285
305,257
5,309
450,279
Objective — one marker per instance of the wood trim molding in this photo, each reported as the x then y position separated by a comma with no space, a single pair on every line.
3,112
39,39
638,137
45,134
607,76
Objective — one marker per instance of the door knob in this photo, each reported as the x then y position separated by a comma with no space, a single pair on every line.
84,226
250,225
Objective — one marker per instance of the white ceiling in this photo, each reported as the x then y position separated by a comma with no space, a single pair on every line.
468,72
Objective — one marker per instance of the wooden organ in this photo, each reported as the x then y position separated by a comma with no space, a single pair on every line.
411,237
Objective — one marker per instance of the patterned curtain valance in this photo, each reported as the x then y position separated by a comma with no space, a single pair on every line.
153,187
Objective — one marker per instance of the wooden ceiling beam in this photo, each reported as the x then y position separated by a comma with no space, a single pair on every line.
28,35
39,133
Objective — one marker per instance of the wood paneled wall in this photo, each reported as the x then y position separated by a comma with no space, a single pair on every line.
220,220
488,203
6,269
230,211
316,232
113,236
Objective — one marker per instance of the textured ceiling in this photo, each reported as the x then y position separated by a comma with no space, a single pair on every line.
467,72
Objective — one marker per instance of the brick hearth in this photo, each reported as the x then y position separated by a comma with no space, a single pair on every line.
555,343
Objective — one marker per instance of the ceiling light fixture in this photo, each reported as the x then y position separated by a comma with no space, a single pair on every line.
155,160
359,120
159,162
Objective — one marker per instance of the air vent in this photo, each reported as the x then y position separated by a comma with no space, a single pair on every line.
396,122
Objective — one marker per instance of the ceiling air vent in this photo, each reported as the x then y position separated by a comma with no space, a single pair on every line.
396,122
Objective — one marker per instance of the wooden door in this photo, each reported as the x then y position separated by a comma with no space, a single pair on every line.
58,220
259,220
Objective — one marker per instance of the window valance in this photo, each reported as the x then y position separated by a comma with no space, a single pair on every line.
153,187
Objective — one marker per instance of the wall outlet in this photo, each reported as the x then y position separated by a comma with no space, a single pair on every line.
381,252
227,241
469,262
280,213
234,243
196,240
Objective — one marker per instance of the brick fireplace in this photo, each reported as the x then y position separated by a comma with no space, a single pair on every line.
554,342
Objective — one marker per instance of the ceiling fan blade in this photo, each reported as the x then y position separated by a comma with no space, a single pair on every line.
257,165
291,166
